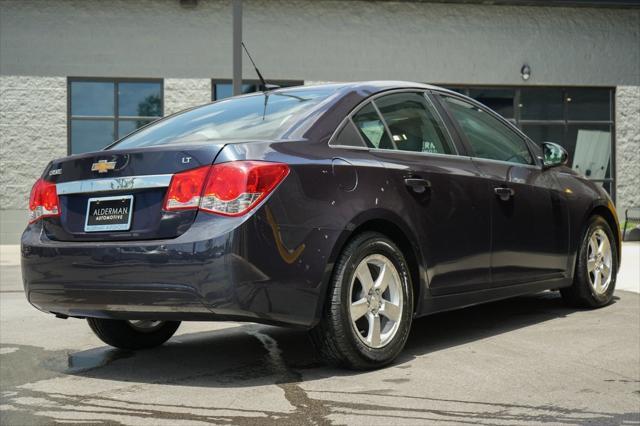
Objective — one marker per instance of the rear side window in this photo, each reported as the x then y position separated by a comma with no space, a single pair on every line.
414,124
348,136
371,128
489,138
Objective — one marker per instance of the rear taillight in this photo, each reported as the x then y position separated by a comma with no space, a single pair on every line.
185,189
230,189
43,201
234,188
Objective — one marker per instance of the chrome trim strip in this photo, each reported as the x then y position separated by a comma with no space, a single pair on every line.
510,163
113,184
358,148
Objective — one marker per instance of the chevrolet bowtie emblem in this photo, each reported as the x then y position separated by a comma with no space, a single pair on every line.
103,166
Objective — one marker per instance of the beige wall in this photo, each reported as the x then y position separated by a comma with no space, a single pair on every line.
323,40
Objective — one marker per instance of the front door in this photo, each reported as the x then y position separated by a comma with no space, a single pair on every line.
529,218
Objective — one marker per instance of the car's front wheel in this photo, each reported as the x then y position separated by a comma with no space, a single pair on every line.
596,267
368,313
140,334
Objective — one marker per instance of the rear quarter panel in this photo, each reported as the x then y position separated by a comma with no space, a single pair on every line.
327,195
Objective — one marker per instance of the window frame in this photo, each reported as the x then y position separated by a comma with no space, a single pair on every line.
287,83
371,99
536,160
115,118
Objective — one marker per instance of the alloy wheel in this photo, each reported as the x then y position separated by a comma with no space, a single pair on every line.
376,301
599,261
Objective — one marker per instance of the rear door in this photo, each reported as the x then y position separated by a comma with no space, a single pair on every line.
529,217
443,197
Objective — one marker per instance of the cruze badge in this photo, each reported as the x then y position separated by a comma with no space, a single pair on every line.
103,166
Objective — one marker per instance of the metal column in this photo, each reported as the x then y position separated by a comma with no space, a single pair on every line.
237,47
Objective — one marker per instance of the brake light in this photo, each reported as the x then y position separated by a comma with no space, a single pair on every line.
43,201
185,189
229,189
236,187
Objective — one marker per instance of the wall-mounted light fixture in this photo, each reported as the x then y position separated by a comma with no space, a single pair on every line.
525,71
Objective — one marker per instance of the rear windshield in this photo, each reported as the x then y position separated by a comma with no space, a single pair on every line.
261,116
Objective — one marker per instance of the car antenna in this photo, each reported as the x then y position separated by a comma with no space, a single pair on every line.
265,86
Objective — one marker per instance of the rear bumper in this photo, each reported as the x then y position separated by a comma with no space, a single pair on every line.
220,269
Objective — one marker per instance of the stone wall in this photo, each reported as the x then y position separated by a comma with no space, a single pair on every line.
33,131
182,93
627,147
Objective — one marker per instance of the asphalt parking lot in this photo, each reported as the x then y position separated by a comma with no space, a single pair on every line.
529,360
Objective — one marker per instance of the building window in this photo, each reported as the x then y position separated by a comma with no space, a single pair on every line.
102,111
578,118
224,88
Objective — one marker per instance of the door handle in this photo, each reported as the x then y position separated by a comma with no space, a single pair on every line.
418,185
503,192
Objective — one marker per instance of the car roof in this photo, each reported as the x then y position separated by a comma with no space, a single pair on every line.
347,95
371,87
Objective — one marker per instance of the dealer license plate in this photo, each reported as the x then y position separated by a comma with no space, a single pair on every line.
109,213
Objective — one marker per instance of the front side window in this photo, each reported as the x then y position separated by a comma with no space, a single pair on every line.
413,123
102,111
580,119
255,117
488,137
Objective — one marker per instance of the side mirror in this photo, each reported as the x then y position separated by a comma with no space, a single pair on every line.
553,155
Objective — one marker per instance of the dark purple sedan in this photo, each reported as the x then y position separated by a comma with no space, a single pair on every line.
347,209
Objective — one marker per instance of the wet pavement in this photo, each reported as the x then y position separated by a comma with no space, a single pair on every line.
529,360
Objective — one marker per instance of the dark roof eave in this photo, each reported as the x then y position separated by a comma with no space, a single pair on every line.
616,4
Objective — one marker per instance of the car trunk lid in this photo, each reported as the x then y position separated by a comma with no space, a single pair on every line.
116,195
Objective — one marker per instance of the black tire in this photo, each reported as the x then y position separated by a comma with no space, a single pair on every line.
122,334
581,293
335,337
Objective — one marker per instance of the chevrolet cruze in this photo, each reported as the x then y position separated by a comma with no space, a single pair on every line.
346,209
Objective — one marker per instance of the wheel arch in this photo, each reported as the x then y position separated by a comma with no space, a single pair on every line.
607,212
393,227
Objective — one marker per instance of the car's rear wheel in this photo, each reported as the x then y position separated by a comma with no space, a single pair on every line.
368,313
596,267
139,334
